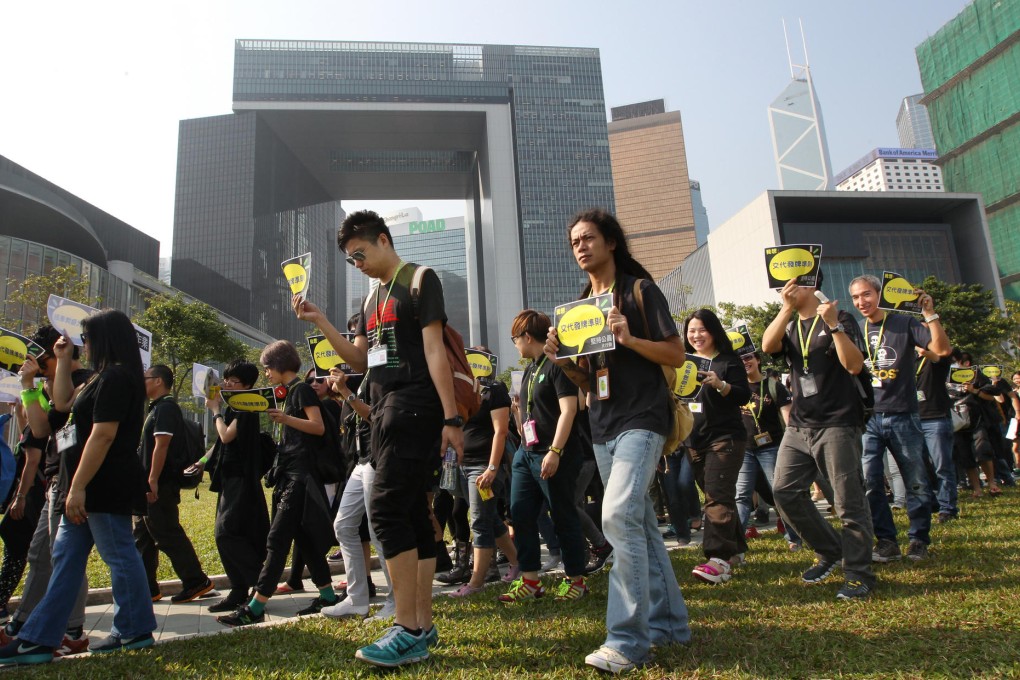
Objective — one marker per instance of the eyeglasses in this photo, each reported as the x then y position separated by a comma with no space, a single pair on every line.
150,377
513,338
84,337
356,256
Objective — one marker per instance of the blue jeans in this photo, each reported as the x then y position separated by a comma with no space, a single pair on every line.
682,498
486,526
132,602
901,434
763,459
645,605
526,495
938,440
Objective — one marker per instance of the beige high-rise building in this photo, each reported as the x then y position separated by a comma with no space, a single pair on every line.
653,191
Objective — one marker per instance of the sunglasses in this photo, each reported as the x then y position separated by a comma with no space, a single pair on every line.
84,337
317,381
356,256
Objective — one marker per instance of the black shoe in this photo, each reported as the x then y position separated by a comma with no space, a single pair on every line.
242,616
224,605
336,556
917,551
192,593
316,606
113,643
885,551
945,517
853,590
598,558
819,571
25,653
443,561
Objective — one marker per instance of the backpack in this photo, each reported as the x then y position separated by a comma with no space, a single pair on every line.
682,421
330,464
466,390
193,449
8,464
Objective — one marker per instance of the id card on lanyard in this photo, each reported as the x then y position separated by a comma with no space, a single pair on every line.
806,382
529,429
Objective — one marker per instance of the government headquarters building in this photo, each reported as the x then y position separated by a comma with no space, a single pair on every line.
518,133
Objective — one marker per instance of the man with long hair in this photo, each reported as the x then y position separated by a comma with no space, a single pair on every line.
630,418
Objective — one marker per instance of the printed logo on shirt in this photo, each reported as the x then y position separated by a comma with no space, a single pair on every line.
388,318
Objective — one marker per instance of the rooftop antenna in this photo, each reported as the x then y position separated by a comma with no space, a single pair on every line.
789,55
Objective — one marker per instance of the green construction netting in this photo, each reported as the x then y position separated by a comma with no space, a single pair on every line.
991,168
1004,226
981,26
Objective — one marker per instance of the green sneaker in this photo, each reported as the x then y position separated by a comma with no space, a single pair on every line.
571,590
523,590
396,648
432,636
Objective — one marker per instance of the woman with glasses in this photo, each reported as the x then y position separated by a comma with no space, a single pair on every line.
237,466
102,484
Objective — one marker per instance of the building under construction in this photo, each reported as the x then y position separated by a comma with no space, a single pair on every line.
969,70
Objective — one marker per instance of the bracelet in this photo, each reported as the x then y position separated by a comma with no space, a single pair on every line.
30,395
218,416
203,460
558,451
722,386
933,317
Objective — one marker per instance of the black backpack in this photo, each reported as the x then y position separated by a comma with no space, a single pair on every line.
193,437
330,465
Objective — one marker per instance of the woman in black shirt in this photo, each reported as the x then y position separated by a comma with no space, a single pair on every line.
717,443
102,484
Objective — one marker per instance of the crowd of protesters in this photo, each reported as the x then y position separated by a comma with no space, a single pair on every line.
867,416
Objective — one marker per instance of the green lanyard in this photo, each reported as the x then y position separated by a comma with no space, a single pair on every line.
806,346
389,292
920,366
761,405
878,344
601,359
531,386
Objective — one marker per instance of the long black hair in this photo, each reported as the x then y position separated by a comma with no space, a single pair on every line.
112,340
722,342
612,232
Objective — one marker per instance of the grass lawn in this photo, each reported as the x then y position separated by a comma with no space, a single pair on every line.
956,615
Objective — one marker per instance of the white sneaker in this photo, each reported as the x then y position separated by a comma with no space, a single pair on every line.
345,609
609,660
388,611
552,562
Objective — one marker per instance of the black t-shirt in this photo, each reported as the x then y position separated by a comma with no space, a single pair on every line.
119,485
717,417
762,413
164,418
931,382
638,394
232,458
891,357
391,313
296,447
478,431
57,419
837,402
546,383
993,411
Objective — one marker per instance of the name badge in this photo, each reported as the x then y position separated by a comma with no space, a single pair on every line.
377,356
876,382
485,494
529,432
763,439
695,406
67,437
808,386
920,395
602,383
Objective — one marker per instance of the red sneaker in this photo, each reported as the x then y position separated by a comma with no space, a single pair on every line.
780,527
752,532
69,646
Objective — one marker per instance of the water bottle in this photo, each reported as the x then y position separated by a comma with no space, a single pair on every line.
448,480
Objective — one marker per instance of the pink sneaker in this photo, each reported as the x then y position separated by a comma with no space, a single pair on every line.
513,574
466,590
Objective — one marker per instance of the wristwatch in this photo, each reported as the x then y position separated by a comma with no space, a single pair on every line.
456,421
492,468
837,329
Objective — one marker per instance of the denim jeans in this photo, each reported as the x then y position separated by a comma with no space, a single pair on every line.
486,525
132,602
354,506
682,499
938,441
527,494
901,434
764,460
644,605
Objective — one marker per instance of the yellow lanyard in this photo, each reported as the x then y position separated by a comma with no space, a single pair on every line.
867,339
806,346
389,291
531,385
920,366
761,404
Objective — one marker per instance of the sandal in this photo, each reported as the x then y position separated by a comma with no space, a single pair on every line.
714,571
994,491
695,524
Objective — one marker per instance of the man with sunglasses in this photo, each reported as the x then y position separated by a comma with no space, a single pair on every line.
414,417
46,413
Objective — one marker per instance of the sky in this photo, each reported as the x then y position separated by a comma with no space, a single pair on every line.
93,92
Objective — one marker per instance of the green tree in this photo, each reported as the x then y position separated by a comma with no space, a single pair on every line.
34,290
971,317
184,333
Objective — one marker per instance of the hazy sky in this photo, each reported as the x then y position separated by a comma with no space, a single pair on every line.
93,92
